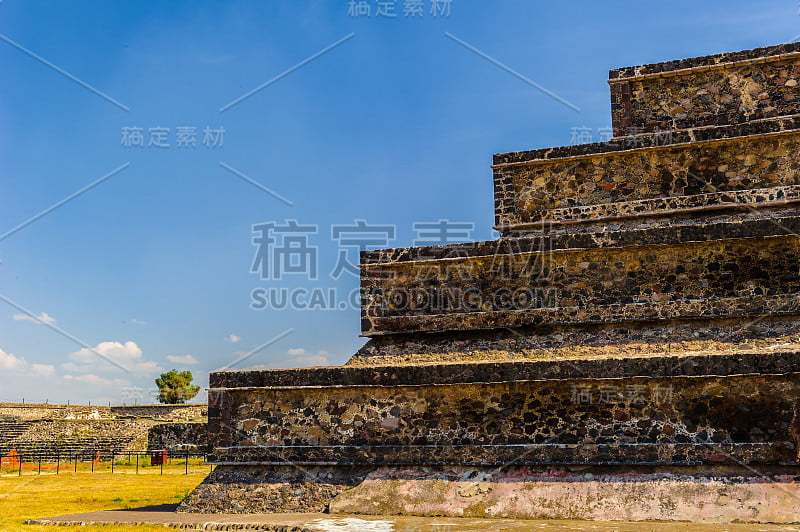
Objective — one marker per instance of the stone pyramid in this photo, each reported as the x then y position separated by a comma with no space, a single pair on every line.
627,349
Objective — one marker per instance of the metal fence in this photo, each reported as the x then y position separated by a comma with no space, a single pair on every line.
130,462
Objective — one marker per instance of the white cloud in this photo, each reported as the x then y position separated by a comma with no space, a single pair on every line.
19,366
44,317
127,354
147,367
91,378
72,367
137,322
297,351
43,370
11,363
232,338
183,359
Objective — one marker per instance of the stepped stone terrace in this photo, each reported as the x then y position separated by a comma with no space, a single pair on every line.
629,348
59,431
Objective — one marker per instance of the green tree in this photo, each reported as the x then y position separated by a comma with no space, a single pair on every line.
176,388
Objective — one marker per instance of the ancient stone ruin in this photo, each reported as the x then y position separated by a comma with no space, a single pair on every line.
628,349
52,432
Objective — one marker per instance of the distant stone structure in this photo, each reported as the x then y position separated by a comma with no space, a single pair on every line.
33,411
178,437
51,431
628,349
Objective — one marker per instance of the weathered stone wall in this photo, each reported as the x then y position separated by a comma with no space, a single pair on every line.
178,437
287,488
751,224
69,437
571,342
716,495
172,413
43,431
68,430
580,439
29,412
645,181
731,277
124,433
489,413
628,350
563,493
711,90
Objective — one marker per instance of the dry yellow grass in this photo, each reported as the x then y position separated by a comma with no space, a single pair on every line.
34,496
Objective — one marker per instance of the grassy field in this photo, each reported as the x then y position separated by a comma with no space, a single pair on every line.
33,496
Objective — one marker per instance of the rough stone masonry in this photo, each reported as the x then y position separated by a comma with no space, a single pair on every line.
628,349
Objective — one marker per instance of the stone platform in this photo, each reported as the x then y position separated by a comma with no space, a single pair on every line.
629,349
305,522
498,439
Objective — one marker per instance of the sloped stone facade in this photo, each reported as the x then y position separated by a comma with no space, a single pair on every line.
628,349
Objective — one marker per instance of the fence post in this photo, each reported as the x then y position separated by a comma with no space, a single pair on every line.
112,455
76,464
58,462
137,463
162,465
187,463
93,464
20,464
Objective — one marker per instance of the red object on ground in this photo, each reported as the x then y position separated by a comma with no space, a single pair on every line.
159,457
11,459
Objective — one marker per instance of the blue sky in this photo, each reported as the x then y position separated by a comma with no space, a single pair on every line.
396,124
